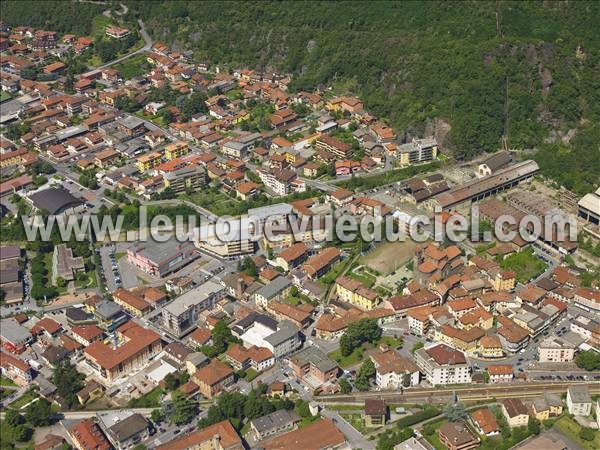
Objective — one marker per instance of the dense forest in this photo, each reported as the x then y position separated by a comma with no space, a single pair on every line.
468,72
485,68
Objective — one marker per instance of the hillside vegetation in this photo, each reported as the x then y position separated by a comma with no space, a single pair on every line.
468,72
415,62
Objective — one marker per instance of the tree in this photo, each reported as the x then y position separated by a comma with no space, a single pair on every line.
533,426
249,267
156,415
303,409
22,433
357,333
183,409
428,430
171,382
68,382
587,434
39,413
13,418
345,386
61,282
588,360
417,346
455,412
365,374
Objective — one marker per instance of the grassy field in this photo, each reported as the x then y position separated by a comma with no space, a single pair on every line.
99,25
570,428
525,264
216,202
356,421
132,67
359,353
387,257
6,382
147,400
24,399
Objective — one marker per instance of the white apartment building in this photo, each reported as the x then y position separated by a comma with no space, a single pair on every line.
181,315
443,365
557,349
579,401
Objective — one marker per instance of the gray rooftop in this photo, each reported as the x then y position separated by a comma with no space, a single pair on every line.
160,251
129,427
193,297
107,309
275,420
286,331
316,357
271,210
131,122
275,287
580,394
14,333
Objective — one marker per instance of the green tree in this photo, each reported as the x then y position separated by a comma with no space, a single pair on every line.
455,412
588,360
357,333
345,386
533,426
13,418
587,434
417,346
365,374
22,433
183,409
302,408
156,416
68,382
39,413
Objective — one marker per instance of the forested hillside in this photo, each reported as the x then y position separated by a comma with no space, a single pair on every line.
414,62
528,70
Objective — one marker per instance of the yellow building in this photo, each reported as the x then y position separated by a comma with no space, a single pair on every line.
241,117
465,340
176,150
149,161
354,292
12,158
504,281
477,318
547,406
490,347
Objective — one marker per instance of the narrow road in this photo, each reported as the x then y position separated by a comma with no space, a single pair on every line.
85,414
145,48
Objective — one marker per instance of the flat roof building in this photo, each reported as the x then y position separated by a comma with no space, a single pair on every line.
161,258
181,315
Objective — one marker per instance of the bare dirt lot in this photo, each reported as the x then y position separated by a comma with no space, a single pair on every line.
389,256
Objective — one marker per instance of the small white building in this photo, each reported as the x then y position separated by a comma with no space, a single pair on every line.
579,401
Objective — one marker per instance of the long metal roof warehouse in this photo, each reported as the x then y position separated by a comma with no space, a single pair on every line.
484,187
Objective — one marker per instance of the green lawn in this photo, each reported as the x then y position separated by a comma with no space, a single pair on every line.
119,255
24,399
356,421
251,374
359,353
308,420
570,428
132,67
345,407
365,278
99,24
6,382
216,202
147,400
525,264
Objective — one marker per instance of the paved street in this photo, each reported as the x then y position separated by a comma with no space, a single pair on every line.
355,439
